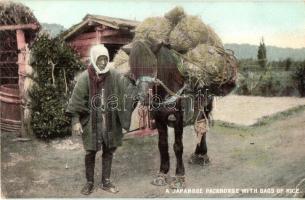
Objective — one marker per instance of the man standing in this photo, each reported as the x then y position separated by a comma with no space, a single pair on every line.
100,108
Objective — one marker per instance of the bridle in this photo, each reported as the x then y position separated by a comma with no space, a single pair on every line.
174,96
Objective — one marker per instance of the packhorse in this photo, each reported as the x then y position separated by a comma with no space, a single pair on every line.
161,86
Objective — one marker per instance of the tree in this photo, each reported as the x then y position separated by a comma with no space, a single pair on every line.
288,63
262,54
55,65
299,77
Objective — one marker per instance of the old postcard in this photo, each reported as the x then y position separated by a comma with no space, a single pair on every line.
152,99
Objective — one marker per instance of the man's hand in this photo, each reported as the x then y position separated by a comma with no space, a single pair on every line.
77,128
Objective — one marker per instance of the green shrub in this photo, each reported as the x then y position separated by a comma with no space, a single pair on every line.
55,65
275,80
247,83
266,83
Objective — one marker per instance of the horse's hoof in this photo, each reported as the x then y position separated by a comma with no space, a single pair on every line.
178,183
199,159
160,180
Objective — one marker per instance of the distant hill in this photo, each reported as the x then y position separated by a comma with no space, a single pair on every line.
243,51
52,29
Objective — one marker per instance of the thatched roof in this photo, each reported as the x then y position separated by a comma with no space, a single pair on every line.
14,13
89,20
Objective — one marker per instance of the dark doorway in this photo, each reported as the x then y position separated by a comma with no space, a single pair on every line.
112,49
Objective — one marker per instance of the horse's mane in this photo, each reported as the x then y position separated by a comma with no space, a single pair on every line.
167,70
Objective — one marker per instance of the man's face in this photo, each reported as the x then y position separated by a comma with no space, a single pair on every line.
101,62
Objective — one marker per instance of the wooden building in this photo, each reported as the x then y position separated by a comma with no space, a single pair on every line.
97,29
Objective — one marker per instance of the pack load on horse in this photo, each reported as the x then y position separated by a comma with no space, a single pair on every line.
179,64
203,61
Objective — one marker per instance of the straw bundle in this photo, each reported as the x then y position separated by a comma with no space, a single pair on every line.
183,32
120,62
120,58
175,15
208,65
188,33
213,38
155,28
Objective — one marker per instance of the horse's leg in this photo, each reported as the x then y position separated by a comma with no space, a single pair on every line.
179,181
200,155
201,147
161,125
163,146
178,145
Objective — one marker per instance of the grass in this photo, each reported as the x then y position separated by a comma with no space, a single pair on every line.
264,121
279,116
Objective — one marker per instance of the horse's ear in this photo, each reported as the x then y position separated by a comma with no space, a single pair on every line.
154,44
127,48
156,47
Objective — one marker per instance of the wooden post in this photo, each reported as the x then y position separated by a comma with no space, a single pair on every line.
21,44
18,27
98,31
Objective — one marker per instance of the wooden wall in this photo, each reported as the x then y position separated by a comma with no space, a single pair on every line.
83,42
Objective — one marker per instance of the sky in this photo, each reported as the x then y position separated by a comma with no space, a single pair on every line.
280,22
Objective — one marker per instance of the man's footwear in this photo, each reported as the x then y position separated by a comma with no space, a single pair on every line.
88,188
109,187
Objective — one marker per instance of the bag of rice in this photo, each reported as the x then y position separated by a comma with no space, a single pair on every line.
207,65
175,15
153,28
120,62
188,33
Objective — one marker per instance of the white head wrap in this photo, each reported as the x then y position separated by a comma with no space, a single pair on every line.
95,52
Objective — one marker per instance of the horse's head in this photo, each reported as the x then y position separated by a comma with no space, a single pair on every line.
143,66
153,63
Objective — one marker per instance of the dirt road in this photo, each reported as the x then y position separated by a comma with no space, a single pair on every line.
262,158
